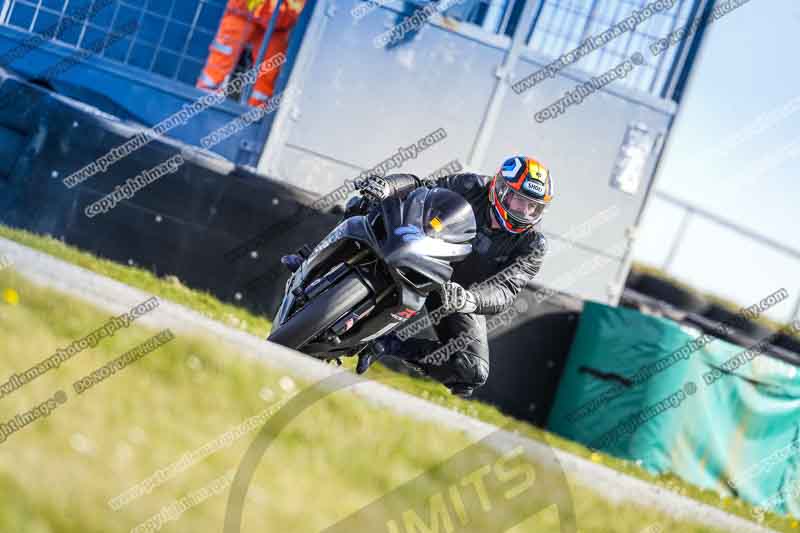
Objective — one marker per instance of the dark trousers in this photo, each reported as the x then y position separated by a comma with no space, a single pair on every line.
460,357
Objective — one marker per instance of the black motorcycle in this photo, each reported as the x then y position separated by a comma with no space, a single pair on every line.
373,272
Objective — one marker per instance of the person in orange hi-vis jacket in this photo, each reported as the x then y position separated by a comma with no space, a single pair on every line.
245,22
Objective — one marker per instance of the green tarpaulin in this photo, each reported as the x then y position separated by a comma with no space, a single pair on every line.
720,416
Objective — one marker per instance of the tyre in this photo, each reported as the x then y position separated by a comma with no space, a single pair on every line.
759,332
737,322
632,282
320,313
669,293
788,342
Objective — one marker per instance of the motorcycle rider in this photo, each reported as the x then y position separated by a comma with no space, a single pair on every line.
507,254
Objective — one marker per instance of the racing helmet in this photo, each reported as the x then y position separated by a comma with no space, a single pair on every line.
520,192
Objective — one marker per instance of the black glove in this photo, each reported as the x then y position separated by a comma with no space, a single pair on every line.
457,299
374,188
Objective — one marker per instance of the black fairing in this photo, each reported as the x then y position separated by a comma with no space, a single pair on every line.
414,241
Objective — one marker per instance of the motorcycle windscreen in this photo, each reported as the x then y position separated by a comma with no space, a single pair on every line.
448,216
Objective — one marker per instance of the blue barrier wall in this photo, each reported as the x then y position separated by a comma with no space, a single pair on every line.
171,39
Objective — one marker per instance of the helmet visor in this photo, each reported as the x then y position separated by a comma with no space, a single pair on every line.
519,207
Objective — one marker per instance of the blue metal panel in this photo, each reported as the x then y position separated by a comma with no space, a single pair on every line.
147,98
145,74
172,37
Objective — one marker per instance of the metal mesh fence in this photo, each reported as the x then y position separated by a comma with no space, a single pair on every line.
563,25
171,39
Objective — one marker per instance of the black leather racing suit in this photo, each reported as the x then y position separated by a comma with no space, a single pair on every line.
502,263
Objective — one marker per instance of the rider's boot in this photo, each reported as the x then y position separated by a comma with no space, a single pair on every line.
388,344
463,391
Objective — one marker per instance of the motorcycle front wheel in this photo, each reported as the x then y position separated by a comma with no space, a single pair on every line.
320,313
